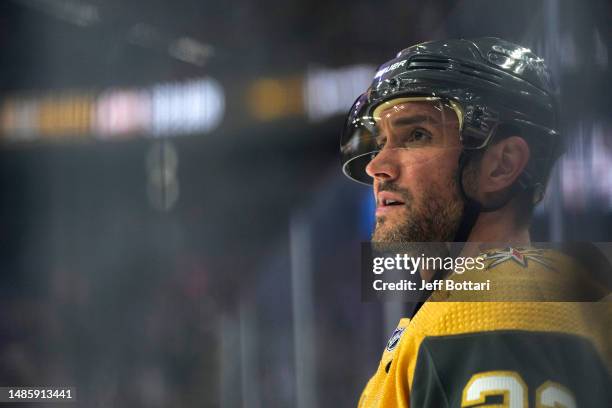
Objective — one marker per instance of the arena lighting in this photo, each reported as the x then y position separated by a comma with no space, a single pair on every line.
68,114
75,12
17,119
191,50
53,116
121,113
188,107
276,98
585,170
329,92
172,109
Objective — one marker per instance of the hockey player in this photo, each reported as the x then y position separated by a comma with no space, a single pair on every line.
458,139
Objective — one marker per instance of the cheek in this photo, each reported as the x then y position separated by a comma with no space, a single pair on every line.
447,161
433,170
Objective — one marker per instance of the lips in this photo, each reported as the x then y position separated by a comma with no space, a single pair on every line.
388,201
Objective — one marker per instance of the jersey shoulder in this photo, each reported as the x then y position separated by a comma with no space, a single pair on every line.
523,274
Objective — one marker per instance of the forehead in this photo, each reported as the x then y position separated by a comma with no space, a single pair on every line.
396,120
430,109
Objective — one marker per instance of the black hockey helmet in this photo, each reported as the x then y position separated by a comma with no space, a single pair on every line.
486,81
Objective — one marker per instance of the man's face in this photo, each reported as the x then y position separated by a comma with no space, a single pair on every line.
417,197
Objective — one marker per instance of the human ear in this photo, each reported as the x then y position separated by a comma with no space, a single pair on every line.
503,163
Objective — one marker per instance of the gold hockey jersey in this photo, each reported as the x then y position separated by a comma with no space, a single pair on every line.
525,351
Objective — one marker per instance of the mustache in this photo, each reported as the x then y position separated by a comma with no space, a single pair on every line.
394,188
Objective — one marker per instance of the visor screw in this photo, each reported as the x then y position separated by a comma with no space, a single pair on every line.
393,84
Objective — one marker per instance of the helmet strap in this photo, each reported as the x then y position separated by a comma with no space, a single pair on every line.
471,209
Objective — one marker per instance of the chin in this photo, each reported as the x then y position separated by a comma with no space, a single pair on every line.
385,234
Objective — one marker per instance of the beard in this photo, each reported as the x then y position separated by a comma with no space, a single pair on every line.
435,217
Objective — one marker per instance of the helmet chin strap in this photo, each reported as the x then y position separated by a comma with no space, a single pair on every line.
471,208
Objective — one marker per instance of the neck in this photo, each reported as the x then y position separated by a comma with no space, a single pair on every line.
496,228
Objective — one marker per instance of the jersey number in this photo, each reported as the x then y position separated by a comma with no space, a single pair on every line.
512,389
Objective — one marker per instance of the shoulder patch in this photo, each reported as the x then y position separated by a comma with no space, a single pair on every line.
395,338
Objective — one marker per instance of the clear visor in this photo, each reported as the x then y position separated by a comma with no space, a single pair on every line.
409,130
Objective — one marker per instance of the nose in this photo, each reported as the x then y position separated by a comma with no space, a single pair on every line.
383,167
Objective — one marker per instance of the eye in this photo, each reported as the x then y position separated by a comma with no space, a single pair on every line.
420,135
415,137
380,142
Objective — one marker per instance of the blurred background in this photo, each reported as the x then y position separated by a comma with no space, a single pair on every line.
174,226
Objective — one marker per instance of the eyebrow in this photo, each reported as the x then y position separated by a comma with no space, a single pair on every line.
410,120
